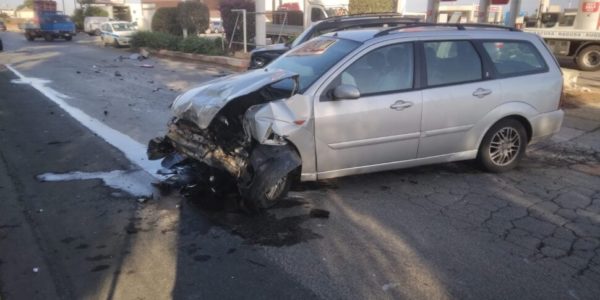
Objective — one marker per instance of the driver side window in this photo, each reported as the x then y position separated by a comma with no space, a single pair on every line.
383,70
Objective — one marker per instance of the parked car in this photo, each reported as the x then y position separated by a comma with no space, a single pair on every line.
2,26
91,25
361,101
116,33
261,57
215,26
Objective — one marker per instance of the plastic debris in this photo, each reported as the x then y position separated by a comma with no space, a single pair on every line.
118,74
36,269
146,66
135,56
142,200
144,53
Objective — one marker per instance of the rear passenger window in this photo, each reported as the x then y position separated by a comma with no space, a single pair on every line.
451,62
512,58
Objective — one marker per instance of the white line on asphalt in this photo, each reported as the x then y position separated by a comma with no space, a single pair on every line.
133,150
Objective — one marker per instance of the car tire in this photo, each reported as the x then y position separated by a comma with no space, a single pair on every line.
97,32
29,37
116,44
48,37
588,59
503,146
273,194
68,38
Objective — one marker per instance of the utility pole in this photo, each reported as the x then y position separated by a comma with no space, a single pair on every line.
261,20
515,9
433,9
484,8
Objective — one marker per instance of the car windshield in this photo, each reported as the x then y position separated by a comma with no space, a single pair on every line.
59,18
313,58
121,26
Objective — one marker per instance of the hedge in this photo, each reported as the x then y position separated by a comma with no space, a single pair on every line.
161,40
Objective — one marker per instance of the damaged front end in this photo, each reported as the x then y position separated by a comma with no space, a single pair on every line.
238,125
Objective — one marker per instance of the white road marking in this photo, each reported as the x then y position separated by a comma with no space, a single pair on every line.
136,183
133,150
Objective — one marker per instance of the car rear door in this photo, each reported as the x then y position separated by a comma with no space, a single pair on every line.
379,128
459,92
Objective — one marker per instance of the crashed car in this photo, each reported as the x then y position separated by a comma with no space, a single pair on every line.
362,101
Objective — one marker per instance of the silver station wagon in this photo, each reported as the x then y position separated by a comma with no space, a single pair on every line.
361,101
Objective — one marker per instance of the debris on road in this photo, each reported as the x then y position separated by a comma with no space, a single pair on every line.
142,200
319,213
147,66
35,270
144,53
118,74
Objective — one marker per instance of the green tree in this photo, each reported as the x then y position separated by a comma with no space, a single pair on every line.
193,16
26,3
90,11
165,20
371,6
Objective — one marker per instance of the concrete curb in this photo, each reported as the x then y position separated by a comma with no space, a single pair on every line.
236,64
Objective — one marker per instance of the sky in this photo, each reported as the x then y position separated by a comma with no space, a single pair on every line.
412,5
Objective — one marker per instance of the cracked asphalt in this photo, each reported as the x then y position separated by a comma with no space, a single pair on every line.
446,231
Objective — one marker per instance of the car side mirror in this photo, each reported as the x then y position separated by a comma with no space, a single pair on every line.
346,92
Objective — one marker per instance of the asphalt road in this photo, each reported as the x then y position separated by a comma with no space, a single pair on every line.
438,232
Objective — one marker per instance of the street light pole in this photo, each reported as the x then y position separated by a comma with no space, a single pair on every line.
515,8
433,7
484,8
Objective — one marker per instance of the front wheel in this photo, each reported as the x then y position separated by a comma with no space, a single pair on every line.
29,37
503,146
272,193
589,58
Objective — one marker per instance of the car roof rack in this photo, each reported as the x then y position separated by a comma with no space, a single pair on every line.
459,26
373,14
394,24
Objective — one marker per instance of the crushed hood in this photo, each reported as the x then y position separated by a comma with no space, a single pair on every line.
201,104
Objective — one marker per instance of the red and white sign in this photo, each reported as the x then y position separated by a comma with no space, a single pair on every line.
590,7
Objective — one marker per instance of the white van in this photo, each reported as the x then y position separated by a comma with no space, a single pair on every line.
91,25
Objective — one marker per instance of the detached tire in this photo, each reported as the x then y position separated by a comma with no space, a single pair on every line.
503,146
589,58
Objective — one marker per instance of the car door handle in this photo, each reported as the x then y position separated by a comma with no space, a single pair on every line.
480,93
401,105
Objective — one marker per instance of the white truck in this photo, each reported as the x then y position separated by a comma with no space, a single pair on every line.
291,18
573,35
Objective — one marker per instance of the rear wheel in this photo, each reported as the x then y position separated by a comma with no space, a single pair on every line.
68,38
29,37
589,58
503,146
